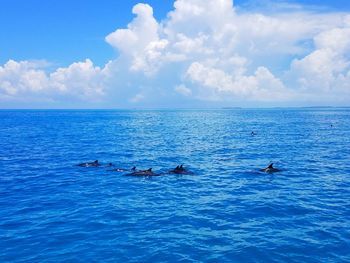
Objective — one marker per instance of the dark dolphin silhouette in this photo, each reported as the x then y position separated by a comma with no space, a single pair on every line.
180,170
270,169
148,172
89,164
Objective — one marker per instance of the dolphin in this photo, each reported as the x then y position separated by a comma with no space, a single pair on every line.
180,170
270,169
123,170
148,172
89,164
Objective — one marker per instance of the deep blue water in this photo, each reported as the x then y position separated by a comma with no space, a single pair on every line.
227,211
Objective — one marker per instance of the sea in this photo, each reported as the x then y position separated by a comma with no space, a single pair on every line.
226,210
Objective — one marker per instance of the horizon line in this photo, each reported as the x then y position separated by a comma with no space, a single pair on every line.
174,108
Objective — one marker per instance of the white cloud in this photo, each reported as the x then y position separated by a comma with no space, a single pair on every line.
224,55
215,51
21,77
183,90
140,41
325,71
261,86
141,31
81,79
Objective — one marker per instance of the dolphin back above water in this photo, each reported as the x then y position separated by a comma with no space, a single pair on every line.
89,164
270,169
148,172
180,170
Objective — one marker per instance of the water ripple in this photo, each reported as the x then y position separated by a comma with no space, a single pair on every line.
227,211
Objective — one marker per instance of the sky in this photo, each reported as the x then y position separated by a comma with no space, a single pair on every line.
174,53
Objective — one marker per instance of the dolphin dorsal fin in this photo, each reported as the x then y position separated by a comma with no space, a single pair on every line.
134,168
181,166
96,161
270,166
149,170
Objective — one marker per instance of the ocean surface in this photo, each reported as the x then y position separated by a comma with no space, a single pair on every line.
226,211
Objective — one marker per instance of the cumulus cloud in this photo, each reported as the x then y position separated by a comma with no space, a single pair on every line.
140,41
81,80
140,32
224,55
262,85
16,77
326,70
216,53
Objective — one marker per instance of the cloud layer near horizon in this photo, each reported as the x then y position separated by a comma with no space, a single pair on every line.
204,51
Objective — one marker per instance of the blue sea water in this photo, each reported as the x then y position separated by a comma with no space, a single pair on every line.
227,211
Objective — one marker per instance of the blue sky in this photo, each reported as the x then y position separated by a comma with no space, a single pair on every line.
89,42
64,31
